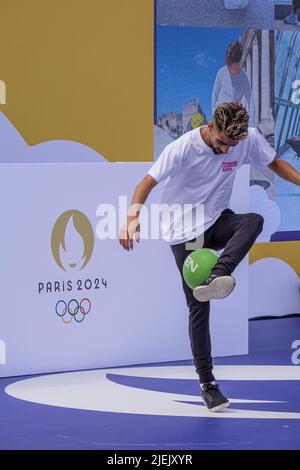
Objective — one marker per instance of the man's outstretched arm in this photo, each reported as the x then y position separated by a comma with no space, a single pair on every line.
131,225
285,170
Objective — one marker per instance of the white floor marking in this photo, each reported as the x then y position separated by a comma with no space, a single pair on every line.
92,390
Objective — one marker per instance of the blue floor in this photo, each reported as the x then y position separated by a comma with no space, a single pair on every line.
26,425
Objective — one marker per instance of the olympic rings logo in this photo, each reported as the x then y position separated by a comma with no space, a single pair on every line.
73,309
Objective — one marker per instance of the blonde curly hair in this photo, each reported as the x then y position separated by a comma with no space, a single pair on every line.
232,119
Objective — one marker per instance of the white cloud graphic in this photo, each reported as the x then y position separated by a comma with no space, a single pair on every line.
273,289
14,149
203,59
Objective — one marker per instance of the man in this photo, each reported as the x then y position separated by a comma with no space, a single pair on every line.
199,168
292,18
232,84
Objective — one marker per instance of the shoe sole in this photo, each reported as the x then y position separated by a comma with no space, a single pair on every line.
219,407
219,288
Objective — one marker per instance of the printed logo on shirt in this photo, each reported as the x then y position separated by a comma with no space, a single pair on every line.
229,166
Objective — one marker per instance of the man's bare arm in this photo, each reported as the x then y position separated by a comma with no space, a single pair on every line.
131,225
285,170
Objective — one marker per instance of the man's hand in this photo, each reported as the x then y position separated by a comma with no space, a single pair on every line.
130,228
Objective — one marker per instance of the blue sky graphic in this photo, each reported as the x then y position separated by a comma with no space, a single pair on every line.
187,63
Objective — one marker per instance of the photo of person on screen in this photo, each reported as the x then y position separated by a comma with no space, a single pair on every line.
232,83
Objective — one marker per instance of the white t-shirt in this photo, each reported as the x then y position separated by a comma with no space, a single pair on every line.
195,177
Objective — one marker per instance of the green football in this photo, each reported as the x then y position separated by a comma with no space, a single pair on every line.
198,266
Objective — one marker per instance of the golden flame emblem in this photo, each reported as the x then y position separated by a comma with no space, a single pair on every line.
72,240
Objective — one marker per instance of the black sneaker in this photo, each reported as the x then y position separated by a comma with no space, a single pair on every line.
213,398
215,287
